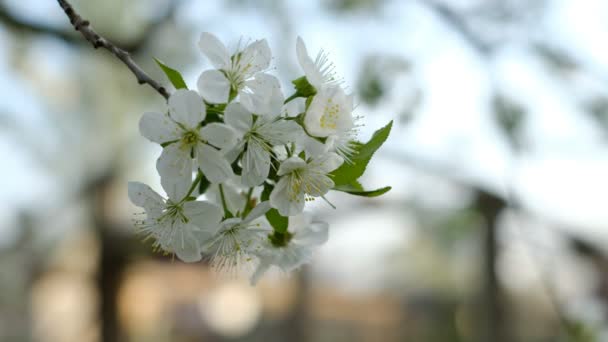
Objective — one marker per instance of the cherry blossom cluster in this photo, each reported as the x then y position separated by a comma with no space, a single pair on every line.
238,167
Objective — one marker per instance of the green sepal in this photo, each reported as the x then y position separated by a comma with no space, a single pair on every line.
173,75
350,172
280,239
303,87
190,199
278,222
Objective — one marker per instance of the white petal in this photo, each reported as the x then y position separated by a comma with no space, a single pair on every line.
318,185
219,135
238,117
175,168
311,146
187,108
214,86
313,234
257,212
143,196
263,95
291,164
281,132
215,51
256,164
158,128
186,245
262,267
213,164
205,215
287,204
328,162
256,57
308,66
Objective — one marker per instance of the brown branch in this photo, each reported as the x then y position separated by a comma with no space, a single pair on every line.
84,27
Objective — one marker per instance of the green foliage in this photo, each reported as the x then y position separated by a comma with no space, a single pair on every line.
278,222
357,190
173,75
349,173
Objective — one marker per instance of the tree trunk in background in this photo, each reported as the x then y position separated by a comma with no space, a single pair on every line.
296,326
112,259
494,314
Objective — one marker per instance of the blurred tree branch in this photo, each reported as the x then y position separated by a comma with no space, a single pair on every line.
84,27
15,23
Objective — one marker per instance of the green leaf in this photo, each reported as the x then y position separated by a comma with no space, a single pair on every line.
173,75
350,172
278,222
357,191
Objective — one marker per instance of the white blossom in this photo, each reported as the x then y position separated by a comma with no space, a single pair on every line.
319,72
303,236
302,179
241,73
258,136
231,249
329,113
181,129
177,226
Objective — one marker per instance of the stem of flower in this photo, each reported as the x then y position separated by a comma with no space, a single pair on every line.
292,97
197,180
248,204
227,212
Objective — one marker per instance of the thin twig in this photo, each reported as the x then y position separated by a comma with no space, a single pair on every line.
84,27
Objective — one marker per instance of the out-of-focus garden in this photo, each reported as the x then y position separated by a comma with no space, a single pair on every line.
496,228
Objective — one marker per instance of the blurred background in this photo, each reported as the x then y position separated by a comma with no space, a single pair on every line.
495,230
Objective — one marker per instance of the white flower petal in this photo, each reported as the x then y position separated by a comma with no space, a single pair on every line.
255,57
318,185
263,95
214,50
175,168
286,203
313,76
259,211
238,117
311,146
313,234
256,164
187,108
213,164
158,128
328,162
143,196
290,165
214,86
205,215
280,132
185,244
262,267
219,135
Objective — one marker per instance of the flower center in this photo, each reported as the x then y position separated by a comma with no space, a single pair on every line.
190,139
330,115
173,213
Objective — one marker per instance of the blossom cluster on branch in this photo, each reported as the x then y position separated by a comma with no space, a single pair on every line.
238,167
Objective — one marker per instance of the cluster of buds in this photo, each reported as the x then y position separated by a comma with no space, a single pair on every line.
238,167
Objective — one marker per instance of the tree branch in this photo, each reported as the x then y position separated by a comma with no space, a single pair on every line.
84,27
